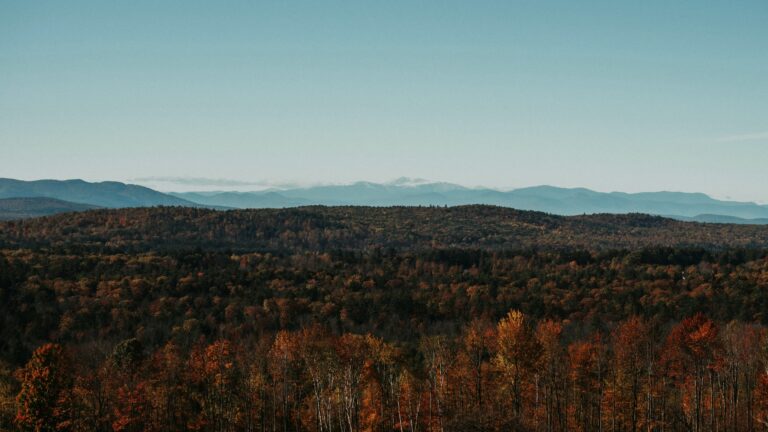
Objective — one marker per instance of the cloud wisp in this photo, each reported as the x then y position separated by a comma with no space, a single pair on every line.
207,183
197,181
758,136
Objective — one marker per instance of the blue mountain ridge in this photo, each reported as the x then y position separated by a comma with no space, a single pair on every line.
402,192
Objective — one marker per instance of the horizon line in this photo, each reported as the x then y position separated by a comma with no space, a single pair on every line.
151,183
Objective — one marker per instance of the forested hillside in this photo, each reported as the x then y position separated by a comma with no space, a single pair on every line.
367,228
381,319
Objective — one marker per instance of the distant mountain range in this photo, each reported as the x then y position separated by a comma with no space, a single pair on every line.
402,192
104,194
550,199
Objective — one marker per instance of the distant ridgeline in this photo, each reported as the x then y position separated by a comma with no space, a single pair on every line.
683,206
562,201
103,194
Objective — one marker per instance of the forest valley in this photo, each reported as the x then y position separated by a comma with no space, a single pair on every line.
399,319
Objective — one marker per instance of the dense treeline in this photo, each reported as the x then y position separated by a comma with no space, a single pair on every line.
510,375
399,319
359,228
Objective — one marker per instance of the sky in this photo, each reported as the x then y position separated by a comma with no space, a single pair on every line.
613,96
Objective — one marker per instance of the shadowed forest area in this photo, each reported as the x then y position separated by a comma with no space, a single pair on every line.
381,319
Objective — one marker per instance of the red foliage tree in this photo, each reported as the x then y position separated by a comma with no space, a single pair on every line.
45,402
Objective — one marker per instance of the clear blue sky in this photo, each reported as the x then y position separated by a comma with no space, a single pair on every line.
610,95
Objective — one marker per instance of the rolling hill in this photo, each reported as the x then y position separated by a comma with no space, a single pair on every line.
369,228
20,208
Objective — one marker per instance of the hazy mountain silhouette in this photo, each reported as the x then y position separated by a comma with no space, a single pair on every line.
103,194
550,199
401,192
242,199
720,219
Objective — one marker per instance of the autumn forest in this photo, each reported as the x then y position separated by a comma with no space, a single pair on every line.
403,319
